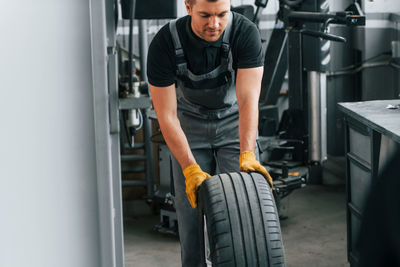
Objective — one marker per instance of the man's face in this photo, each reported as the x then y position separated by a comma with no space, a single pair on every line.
209,19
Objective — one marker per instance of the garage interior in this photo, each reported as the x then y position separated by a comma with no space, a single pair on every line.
86,174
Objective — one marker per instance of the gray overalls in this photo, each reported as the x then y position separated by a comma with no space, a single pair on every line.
208,114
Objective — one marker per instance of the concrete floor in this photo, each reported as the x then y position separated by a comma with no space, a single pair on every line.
314,234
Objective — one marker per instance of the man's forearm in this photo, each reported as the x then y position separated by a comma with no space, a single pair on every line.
248,86
165,105
248,125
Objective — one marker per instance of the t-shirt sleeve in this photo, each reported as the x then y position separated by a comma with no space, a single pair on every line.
160,59
249,52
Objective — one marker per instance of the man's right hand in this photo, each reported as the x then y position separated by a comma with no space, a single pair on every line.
194,178
248,162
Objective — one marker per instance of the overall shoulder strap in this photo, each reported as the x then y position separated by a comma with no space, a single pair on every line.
179,54
225,39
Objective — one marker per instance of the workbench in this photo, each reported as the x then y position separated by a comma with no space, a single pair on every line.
372,133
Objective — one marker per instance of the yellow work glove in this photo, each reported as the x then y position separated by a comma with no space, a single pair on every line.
194,178
248,162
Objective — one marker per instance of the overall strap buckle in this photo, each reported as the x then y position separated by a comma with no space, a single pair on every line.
225,50
181,69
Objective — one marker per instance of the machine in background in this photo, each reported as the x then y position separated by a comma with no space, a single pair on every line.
302,50
294,147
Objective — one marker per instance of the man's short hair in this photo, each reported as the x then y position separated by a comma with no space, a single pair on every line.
192,2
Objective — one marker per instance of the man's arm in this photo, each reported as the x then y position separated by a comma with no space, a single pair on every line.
164,102
248,86
165,105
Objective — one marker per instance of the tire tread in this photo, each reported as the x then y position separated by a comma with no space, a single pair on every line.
242,222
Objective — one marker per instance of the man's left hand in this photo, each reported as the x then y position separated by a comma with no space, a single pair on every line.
248,162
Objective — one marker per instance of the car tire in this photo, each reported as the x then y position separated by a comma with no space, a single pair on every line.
241,222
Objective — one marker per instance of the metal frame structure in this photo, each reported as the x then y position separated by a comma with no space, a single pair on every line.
305,119
106,113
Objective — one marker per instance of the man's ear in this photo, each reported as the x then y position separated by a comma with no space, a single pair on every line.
188,8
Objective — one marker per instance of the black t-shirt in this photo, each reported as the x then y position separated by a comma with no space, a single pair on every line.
202,56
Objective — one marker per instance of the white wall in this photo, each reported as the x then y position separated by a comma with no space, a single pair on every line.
48,189
375,6
339,5
181,10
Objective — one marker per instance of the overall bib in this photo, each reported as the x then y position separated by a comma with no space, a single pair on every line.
208,114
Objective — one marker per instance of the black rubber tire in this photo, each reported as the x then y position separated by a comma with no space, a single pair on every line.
242,221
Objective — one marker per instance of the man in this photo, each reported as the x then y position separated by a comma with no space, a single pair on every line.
205,72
